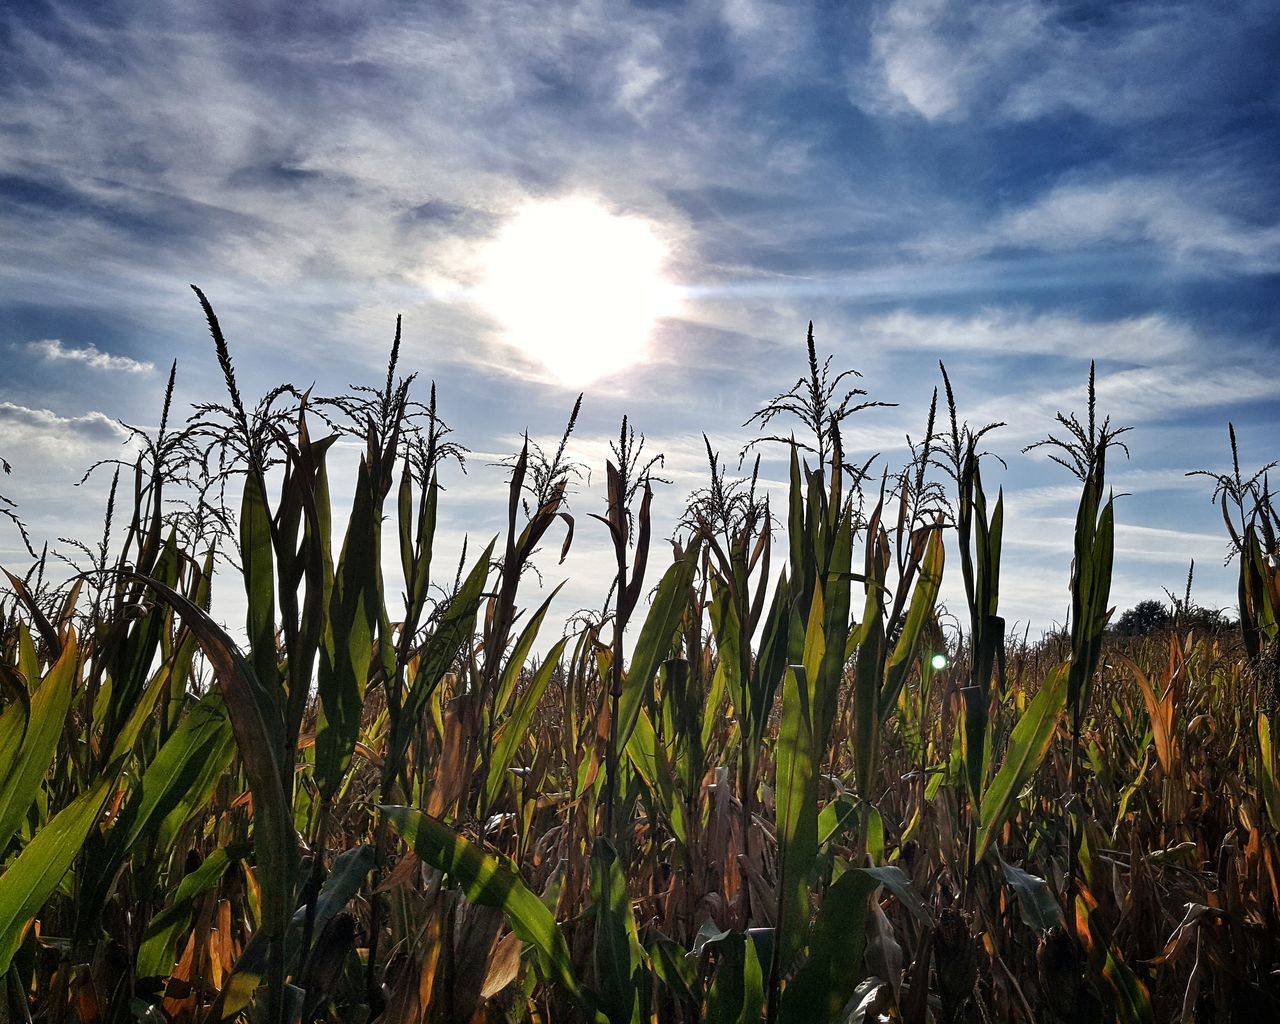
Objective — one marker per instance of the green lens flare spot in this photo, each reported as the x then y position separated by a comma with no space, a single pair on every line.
938,662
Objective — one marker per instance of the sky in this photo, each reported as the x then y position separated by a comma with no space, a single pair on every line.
1012,187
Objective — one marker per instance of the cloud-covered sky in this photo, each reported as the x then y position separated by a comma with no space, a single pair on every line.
1014,187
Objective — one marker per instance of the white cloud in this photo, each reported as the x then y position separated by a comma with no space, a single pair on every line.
1138,483
1139,209
96,425
1150,337
90,355
1017,60
42,444
933,56
1133,541
1191,221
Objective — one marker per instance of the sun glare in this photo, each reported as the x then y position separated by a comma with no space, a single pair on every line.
577,288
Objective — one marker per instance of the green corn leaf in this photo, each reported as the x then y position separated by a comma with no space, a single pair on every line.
653,767
673,968
347,649
896,881
616,950
836,626
758,954
177,782
771,665
826,981
837,816
31,879
797,825
728,634
131,665
13,684
519,653
28,660
30,743
158,951
1028,744
1036,904
404,519
657,636
259,578
973,748
803,570
492,881
259,733
738,991
919,613
350,869
868,674
516,729
455,628
1269,759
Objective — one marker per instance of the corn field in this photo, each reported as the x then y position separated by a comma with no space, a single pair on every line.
767,782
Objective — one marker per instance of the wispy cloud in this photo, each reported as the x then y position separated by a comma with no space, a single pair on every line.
1134,542
1158,211
1154,336
1017,60
935,57
89,355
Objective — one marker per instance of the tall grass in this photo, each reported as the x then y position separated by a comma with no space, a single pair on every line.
763,784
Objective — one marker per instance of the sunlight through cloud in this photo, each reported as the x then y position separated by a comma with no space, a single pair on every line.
576,287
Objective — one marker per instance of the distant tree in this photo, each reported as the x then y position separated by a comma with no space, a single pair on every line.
1152,616
1144,618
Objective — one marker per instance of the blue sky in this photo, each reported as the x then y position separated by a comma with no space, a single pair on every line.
1014,187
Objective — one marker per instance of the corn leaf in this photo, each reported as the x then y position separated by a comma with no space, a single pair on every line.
1028,744
516,729
491,881
823,985
616,949
29,744
797,800
657,635
33,876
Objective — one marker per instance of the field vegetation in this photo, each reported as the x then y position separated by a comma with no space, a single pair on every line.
768,781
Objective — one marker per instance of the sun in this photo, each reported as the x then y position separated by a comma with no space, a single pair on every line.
576,287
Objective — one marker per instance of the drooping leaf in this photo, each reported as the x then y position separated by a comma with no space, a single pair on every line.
1039,910
178,780
259,732
156,954
492,882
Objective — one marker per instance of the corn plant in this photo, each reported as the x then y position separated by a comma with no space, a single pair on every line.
740,789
